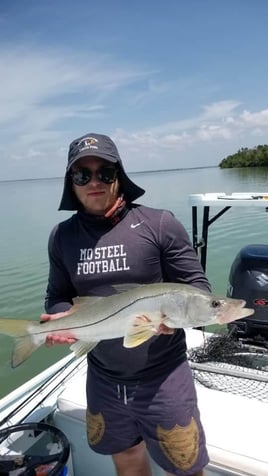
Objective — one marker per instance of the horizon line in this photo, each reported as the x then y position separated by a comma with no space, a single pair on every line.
129,173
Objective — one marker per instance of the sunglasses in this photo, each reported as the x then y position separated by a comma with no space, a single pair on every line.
105,174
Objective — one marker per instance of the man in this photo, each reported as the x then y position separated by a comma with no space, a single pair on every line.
140,399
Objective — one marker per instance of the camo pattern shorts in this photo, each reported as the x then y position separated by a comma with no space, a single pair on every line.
162,412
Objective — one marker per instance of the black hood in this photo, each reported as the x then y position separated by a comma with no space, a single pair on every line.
96,145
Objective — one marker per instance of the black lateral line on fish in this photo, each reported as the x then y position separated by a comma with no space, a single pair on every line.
104,318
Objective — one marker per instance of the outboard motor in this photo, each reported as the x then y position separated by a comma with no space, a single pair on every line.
248,279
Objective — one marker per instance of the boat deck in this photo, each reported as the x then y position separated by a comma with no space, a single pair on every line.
234,426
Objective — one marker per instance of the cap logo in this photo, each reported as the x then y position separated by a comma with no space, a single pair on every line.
87,143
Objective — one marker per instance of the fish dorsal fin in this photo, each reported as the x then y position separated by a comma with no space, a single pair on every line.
81,348
141,329
86,301
121,288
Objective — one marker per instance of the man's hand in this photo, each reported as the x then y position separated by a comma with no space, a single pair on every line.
57,339
163,329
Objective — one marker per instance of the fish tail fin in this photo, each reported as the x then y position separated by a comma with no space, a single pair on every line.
23,348
142,328
24,344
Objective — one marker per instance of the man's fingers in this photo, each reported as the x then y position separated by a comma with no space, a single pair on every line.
45,317
163,329
54,339
51,317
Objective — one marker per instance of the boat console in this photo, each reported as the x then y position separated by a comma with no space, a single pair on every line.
248,278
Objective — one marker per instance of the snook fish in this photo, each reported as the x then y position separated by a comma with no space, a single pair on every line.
135,315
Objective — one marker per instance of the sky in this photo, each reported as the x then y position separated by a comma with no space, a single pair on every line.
180,83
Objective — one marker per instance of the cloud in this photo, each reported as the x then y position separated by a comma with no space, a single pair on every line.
43,91
219,109
175,142
47,97
259,119
31,79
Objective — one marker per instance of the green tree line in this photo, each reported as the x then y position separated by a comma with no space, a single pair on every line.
256,157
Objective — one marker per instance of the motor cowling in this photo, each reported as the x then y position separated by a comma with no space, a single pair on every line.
248,280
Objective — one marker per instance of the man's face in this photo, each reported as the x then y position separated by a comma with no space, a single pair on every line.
96,196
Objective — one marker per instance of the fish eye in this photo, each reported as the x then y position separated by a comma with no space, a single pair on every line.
215,303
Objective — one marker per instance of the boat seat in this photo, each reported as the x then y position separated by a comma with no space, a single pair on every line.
72,401
235,427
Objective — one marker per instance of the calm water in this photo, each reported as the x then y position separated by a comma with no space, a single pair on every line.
28,211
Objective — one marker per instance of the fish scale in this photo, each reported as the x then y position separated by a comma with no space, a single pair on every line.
135,314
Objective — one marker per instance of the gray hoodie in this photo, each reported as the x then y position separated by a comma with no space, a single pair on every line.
145,245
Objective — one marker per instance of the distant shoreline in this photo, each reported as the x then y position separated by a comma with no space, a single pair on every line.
129,173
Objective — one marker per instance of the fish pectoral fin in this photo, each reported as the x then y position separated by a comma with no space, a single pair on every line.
141,329
81,347
23,348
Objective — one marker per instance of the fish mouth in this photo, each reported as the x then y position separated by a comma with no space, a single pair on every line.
244,311
237,311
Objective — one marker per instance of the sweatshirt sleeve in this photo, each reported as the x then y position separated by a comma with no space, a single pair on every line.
59,291
179,259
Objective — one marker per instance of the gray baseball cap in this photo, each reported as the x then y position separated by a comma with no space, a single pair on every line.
96,145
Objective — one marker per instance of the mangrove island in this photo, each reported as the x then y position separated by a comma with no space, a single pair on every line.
256,157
